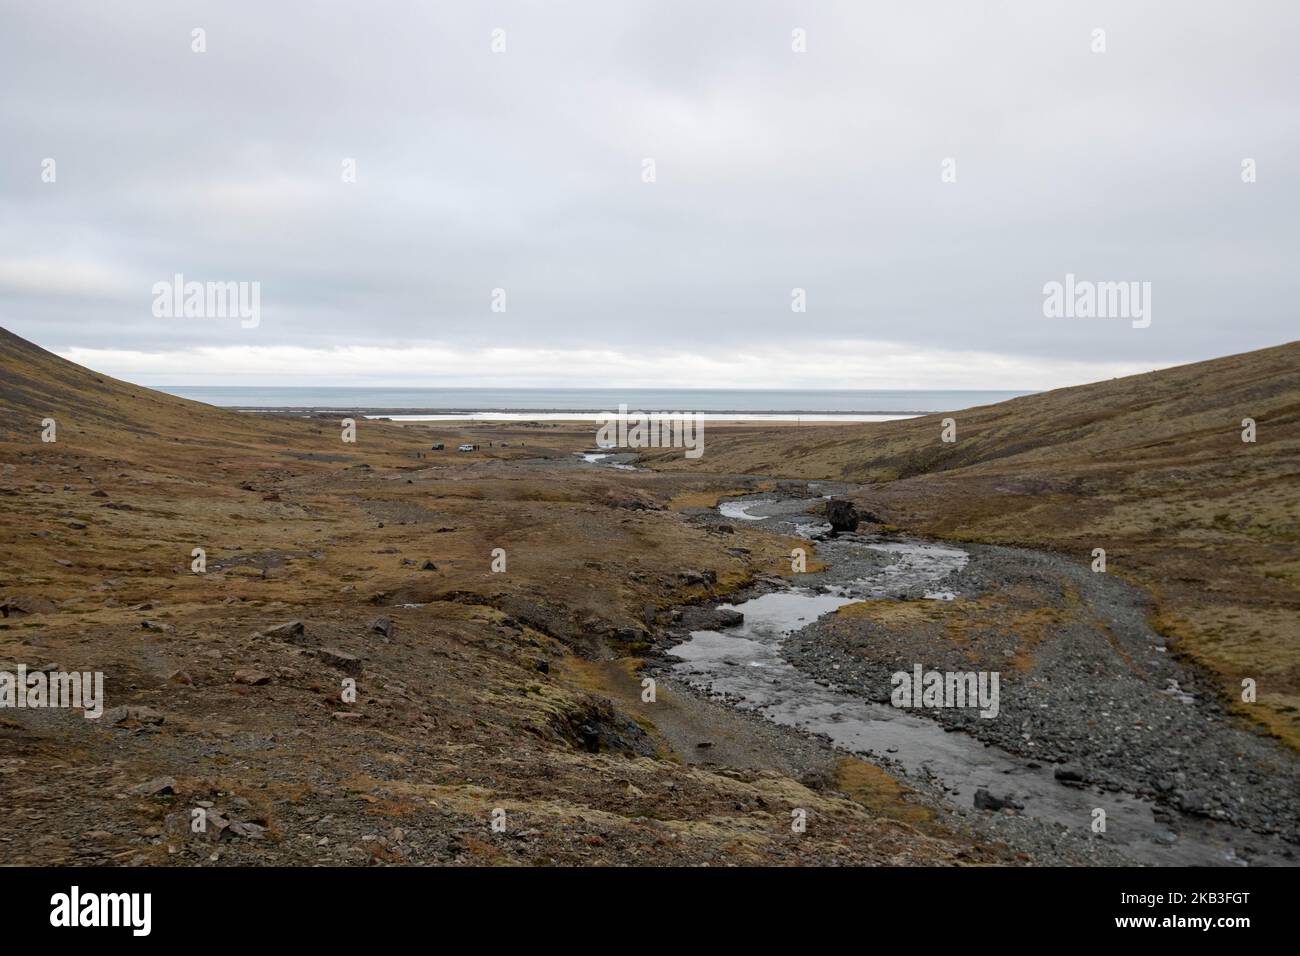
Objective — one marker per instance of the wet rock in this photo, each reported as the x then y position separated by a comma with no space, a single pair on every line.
1068,774
728,617
842,515
986,801
711,619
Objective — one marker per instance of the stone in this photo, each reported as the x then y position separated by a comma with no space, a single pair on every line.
158,786
138,715
342,660
842,515
254,678
291,632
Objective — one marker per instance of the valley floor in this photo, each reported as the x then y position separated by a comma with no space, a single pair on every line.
499,715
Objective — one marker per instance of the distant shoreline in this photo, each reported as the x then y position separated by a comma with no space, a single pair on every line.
569,414
834,405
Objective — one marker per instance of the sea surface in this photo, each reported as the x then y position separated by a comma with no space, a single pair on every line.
757,404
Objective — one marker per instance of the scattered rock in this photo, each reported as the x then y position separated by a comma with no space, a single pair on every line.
250,831
348,663
816,779
26,605
842,515
381,625
132,715
158,786
291,632
255,678
711,619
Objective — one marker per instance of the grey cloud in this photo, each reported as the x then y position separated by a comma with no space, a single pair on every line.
775,170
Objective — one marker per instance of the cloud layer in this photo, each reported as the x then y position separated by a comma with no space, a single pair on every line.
522,170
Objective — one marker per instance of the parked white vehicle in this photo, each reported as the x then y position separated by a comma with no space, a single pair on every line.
465,448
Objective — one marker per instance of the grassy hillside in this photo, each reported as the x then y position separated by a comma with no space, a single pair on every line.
1152,468
475,696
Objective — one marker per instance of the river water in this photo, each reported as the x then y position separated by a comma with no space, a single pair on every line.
744,666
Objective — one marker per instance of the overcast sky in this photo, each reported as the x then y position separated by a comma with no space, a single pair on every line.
523,170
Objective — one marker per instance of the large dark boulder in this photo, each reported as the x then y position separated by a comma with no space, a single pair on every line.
842,515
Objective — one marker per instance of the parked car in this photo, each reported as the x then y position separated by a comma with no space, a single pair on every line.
466,448
437,446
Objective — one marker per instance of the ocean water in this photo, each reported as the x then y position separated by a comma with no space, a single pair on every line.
465,402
